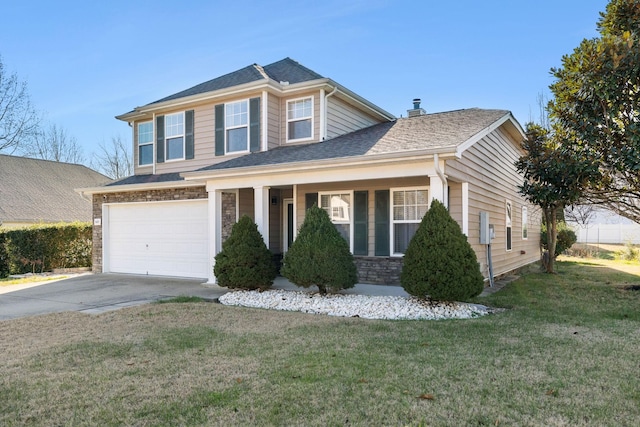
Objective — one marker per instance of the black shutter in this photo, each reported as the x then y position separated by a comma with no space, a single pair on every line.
361,223
382,229
219,118
254,125
159,139
310,199
188,135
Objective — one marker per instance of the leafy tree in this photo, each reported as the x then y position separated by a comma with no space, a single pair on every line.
54,143
596,103
113,160
244,261
18,119
566,237
555,176
439,261
320,256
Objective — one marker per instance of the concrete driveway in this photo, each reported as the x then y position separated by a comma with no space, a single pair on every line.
97,293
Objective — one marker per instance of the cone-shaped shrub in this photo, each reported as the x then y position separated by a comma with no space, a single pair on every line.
320,256
244,261
439,262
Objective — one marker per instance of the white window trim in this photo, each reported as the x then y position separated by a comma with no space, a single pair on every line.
525,223
167,137
227,127
393,222
508,224
300,119
146,143
350,222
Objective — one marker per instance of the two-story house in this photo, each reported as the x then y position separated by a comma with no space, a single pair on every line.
270,141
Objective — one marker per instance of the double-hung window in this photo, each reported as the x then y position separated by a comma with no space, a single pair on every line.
409,205
174,136
145,143
338,206
237,126
508,222
300,119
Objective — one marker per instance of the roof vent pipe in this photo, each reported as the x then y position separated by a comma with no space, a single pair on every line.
416,103
416,110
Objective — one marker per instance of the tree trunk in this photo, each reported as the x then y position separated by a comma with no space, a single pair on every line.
552,238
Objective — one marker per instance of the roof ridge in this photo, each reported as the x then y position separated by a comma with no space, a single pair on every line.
261,71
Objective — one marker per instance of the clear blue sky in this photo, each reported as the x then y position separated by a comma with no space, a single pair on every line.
85,61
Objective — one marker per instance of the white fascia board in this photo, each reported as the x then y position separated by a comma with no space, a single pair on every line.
137,187
486,131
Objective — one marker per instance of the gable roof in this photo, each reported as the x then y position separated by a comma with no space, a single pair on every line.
33,190
439,132
285,70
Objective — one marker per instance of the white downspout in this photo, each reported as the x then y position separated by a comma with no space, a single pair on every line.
325,111
155,141
445,187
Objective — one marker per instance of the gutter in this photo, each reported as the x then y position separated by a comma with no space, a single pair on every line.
443,178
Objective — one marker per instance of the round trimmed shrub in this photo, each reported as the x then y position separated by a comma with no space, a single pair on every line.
245,262
320,256
565,239
439,262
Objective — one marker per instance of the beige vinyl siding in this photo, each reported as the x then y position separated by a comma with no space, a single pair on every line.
370,186
343,118
274,133
246,203
488,167
316,117
455,201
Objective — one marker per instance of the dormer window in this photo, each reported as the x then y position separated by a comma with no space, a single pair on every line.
300,119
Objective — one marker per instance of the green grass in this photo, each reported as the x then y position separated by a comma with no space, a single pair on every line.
179,299
7,281
564,353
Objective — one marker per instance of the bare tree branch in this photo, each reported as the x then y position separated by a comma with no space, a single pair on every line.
54,143
113,160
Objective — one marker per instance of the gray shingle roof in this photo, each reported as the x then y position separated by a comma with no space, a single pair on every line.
285,70
34,190
430,131
146,179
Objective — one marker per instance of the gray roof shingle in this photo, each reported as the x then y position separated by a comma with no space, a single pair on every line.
285,70
146,179
430,131
33,190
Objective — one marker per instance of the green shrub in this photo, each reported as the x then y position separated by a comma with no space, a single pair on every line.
245,262
629,253
4,258
44,247
439,263
320,256
566,238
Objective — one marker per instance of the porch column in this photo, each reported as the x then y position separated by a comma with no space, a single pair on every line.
261,207
436,189
214,229
465,208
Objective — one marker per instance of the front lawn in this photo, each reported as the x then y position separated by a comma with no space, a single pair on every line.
564,353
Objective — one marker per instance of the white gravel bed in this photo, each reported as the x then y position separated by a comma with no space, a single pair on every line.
365,306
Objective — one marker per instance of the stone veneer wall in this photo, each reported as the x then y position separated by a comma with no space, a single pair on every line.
188,193
379,270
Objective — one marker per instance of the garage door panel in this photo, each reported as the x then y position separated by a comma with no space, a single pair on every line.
162,238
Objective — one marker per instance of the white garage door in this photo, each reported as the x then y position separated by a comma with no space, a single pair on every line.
161,238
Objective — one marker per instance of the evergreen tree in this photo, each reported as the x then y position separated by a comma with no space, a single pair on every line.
320,256
439,262
244,261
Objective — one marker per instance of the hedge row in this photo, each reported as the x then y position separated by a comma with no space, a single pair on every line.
44,247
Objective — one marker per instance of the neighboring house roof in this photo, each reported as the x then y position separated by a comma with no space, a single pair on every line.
285,70
438,132
33,190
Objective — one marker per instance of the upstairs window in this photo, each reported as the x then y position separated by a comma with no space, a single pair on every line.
174,136
409,206
237,126
145,143
300,119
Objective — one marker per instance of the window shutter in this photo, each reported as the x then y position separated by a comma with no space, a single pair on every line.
310,199
188,135
360,218
159,139
254,125
219,118
382,222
